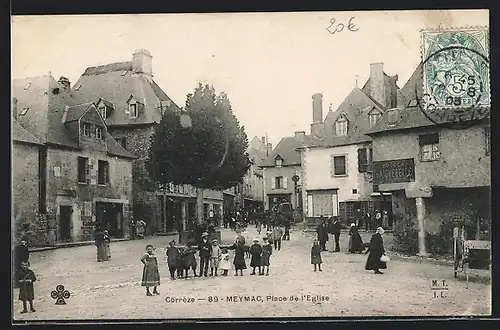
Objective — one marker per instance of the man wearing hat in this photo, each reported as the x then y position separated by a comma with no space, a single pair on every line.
205,251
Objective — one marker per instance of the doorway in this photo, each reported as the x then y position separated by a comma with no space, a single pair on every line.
110,217
65,212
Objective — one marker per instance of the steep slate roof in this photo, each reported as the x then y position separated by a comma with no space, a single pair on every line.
47,102
76,112
116,83
356,106
287,149
19,134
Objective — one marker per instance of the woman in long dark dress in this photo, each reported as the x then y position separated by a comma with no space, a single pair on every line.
355,241
256,252
376,251
239,257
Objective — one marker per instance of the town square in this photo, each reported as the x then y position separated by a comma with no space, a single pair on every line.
216,178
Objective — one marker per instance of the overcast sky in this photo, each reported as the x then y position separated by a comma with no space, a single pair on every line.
269,64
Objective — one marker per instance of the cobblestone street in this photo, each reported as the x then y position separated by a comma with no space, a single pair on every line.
112,290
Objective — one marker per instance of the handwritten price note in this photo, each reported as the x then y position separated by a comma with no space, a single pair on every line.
339,27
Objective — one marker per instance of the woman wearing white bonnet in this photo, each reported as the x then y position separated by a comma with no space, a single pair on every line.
376,251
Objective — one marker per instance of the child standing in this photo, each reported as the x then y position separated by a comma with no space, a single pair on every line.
267,251
215,256
316,255
189,261
150,273
107,242
172,258
239,257
224,262
256,252
26,290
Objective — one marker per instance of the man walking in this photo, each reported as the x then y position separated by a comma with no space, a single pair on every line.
277,235
286,237
322,231
336,227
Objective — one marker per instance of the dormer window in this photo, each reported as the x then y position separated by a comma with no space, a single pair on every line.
102,111
374,116
86,129
99,132
279,161
27,86
132,108
341,126
25,110
78,87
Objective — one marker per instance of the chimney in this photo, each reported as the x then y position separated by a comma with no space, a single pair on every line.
299,136
317,108
377,84
269,148
394,91
14,108
263,139
65,83
142,62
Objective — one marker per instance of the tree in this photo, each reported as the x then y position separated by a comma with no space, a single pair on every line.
202,145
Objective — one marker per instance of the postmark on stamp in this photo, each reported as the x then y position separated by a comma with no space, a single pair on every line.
456,75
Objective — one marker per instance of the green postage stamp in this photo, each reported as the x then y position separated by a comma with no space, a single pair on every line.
456,70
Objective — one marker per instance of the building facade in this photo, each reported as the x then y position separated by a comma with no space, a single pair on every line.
337,157
439,176
132,103
84,175
279,169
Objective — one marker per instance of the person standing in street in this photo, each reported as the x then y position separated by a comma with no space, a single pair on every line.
259,226
376,251
368,221
287,225
322,231
224,262
336,227
267,251
26,290
172,253
316,255
140,227
378,219
150,273
355,241
256,252
107,242
277,234
215,257
205,250
385,219
102,254
21,254
239,257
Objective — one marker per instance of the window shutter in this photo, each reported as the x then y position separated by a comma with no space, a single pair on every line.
285,182
273,183
362,160
309,205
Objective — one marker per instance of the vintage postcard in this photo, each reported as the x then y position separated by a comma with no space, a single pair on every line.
251,165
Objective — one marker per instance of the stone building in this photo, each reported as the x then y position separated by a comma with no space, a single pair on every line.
132,103
438,175
83,175
336,157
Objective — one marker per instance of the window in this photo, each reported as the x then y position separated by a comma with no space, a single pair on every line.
99,133
487,133
355,191
86,129
280,182
279,162
27,86
132,110
341,127
363,164
429,147
339,165
83,169
374,117
102,111
102,172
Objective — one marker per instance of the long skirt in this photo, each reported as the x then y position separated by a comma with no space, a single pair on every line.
373,262
102,254
316,259
26,292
